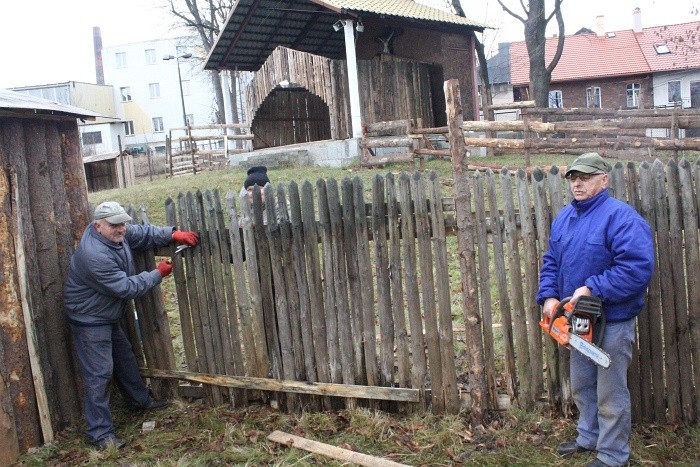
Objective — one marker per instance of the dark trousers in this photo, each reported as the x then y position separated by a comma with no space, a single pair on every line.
105,351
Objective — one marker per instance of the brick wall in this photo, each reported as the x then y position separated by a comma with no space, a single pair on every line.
613,92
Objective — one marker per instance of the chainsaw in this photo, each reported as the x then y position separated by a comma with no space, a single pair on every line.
581,327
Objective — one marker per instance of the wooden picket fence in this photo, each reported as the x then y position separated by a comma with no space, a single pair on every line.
321,291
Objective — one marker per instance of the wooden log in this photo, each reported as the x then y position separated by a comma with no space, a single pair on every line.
673,397
420,367
598,112
366,283
386,142
501,282
484,277
353,274
186,329
557,199
235,354
381,264
282,311
302,284
427,283
447,361
328,288
380,127
542,223
267,290
675,223
16,359
513,105
532,309
340,280
319,331
466,255
398,305
329,451
263,355
27,303
200,316
692,261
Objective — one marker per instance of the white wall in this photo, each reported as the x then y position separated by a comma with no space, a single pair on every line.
660,83
137,75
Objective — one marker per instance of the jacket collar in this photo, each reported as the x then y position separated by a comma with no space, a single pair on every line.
584,206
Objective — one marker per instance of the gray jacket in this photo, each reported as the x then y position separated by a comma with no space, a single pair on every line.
102,276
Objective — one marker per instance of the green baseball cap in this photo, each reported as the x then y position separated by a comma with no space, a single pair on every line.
588,163
112,212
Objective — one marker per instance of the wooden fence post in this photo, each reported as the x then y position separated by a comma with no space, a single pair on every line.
467,263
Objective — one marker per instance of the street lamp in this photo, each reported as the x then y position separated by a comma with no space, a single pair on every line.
179,80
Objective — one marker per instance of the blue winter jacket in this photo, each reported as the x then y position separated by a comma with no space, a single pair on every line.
607,246
102,276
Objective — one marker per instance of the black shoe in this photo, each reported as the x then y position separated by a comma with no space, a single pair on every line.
599,463
152,404
109,442
571,447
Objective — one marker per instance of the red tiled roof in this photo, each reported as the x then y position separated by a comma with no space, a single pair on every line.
587,56
683,40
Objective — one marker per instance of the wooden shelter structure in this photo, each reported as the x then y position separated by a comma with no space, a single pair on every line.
110,170
43,210
327,68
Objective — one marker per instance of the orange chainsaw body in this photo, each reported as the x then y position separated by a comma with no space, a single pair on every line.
560,328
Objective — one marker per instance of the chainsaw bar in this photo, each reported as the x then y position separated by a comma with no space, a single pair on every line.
590,351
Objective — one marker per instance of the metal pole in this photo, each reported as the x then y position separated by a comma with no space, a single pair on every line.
182,95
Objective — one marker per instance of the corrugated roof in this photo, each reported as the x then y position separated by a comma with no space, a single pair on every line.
22,104
620,53
400,8
254,28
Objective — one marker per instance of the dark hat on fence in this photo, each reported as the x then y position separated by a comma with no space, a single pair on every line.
112,212
588,163
256,176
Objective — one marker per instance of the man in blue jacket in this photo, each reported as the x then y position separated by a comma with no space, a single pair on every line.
101,280
599,246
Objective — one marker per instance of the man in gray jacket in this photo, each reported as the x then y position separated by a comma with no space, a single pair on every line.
101,281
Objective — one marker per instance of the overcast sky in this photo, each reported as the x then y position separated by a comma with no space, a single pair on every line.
50,41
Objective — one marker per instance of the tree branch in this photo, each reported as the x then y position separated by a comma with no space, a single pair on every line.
560,40
511,13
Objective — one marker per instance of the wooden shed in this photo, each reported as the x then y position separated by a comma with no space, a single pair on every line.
325,68
43,210
110,170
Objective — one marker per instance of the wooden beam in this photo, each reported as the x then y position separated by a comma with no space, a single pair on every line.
299,387
330,451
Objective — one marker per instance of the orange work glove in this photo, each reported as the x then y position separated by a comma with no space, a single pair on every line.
188,238
165,267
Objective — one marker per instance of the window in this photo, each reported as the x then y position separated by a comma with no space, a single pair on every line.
121,59
185,87
126,93
150,56
556,100
92,137
154,90
190,119
662,49
129,127
674,92
521,93
593,97
633,94
157,124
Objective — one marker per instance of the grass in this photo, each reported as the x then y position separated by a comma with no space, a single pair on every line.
190,434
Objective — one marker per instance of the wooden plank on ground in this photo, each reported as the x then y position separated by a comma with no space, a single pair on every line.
330,451
291,386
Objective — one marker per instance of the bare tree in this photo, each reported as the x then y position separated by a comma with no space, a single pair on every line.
535,23
206,18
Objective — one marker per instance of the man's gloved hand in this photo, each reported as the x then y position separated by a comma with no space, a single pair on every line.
188,238
165,267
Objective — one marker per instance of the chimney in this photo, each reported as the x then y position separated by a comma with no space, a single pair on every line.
97,45
600,25
637,20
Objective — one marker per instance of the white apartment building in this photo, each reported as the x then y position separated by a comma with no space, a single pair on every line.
148,91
